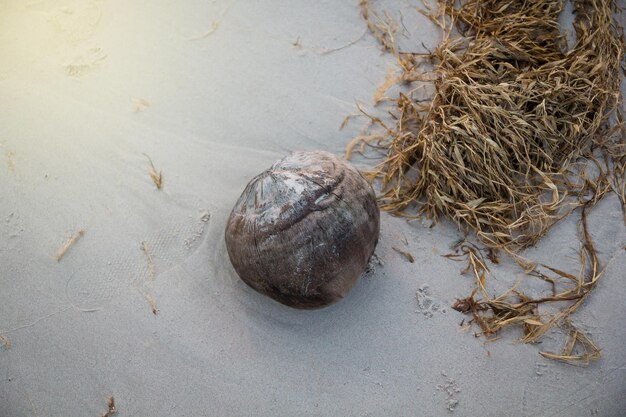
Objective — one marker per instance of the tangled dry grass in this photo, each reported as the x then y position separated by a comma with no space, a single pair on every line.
520,132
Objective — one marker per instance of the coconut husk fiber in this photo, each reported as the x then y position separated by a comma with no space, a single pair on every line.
520,132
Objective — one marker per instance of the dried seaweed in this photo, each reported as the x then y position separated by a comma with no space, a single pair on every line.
143,289
362,141
390,80
151,303
325,50
404,253
215,24
151,269
157,177
589,351
382,28
10,162
513,307
112,409
140,104
6,343
519,133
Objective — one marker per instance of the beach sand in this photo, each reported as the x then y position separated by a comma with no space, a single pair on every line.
144,306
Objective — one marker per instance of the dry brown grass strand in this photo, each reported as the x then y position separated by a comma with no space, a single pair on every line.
157,177
68,244
111,408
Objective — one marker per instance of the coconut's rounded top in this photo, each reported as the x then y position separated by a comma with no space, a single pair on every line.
292,188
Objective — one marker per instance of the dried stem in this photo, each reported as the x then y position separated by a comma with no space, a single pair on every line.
157,177
66,246
112,409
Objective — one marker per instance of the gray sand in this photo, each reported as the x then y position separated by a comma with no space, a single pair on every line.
215,92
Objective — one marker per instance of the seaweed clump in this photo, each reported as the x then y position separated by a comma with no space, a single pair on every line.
520,132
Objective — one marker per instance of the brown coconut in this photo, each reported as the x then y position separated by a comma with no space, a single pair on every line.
303,231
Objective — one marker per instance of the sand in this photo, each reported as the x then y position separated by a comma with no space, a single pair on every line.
145,306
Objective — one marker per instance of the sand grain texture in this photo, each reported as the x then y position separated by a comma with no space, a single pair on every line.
222,109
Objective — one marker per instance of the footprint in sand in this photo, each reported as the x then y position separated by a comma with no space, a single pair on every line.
92,286
426,304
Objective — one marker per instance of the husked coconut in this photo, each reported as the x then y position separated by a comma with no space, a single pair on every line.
303,231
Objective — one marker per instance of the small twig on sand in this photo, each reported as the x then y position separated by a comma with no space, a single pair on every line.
406,254
112,410
324,51
152,303
157,177
390,81
140,104
146,251
10,163
66,246
5,342
214,26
